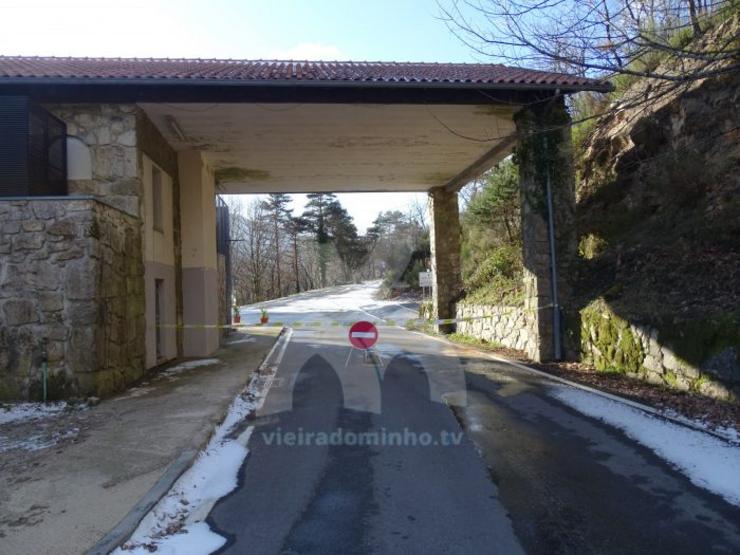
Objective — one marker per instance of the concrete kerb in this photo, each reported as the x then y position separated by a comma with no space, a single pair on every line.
682,421
128,524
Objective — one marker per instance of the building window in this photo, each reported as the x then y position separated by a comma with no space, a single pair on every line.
33,151
158,311
157,219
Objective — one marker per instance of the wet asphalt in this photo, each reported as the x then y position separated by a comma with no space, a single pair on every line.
527,474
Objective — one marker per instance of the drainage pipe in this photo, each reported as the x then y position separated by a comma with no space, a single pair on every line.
556,339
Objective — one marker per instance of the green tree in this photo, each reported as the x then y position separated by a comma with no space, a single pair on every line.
497,204
316,217
351,248
491,244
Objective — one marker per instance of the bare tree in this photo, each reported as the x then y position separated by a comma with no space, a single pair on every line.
651,49
598,37
251,241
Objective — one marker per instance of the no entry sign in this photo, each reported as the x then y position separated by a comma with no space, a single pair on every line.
363,335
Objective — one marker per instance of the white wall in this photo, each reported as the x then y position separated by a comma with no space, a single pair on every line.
159,263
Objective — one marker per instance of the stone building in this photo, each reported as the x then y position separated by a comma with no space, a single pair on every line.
109,265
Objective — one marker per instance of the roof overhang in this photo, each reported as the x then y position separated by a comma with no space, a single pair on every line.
312,126
121,91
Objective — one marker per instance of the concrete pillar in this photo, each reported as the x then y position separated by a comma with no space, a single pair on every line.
199,259
544,153
444,233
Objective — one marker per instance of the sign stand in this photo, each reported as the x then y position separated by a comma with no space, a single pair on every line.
425,281
362,336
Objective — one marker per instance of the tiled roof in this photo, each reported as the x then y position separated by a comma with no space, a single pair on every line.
203,70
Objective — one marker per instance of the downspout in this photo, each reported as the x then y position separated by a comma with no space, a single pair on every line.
556,339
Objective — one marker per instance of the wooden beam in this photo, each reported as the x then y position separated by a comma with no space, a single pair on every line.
485,162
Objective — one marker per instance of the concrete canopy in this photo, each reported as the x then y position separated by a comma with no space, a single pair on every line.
298,126
292,147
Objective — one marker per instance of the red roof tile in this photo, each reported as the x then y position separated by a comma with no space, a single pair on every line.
485,75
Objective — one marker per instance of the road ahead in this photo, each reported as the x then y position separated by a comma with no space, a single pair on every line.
428,448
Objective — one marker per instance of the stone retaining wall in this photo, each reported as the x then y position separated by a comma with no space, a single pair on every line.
71,291
500,325
689,356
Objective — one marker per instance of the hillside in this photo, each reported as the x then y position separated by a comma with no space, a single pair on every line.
656,285
659,200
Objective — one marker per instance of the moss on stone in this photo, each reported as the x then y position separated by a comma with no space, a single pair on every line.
591,246
670,378
616,347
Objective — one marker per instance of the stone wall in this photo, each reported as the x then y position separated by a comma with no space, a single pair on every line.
110,133
545,158
444,235
689,356
71,291
499,325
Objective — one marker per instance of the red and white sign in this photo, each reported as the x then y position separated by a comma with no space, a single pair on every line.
363,335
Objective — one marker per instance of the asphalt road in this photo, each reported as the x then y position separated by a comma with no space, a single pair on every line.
361,455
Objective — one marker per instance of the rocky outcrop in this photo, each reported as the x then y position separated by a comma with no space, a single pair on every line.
658,211
669,133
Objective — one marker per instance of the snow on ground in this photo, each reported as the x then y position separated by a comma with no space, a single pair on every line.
728,432
243,340
34,426
189,365
29,411
335,299
36,442
707,461
176,525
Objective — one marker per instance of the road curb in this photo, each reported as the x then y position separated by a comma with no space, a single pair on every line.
128,524
681,421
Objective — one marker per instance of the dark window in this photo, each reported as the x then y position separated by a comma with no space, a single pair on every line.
33,150
157,217
158,311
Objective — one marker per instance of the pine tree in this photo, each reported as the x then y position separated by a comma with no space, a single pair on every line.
316,217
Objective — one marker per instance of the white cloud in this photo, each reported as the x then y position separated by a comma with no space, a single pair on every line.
308,51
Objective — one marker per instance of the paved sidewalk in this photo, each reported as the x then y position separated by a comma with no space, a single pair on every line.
61,499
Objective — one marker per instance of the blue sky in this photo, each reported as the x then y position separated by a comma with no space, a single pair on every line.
398,30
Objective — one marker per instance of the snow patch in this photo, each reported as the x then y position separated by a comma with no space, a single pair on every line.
176,524
190,364
36,442
352,298
237,341
197,539
29,411
727,432
134,392
707,461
